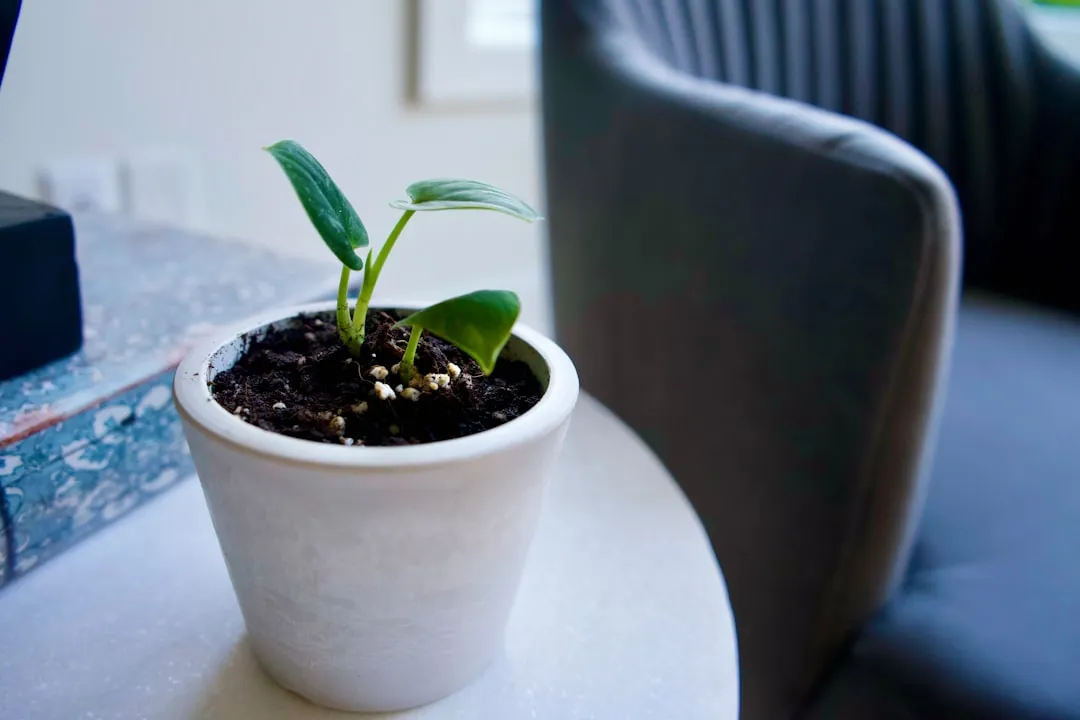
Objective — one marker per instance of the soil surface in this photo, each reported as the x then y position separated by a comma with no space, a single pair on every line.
302,382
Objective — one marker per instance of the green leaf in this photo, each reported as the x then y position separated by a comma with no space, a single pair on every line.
463,194
326,206
478,323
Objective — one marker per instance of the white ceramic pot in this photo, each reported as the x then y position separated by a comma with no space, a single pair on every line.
374,578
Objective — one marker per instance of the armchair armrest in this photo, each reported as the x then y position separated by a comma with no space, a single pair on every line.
766,293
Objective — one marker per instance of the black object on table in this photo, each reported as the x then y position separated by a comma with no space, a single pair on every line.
40,313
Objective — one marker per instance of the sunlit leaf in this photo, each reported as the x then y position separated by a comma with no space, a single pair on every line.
330,212
463,194
478,323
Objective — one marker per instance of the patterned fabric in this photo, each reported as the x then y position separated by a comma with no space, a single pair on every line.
86,439
114,457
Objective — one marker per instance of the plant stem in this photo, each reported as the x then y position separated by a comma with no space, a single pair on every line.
406,369
371,274
346,329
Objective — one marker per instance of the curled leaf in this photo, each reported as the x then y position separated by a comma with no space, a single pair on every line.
329,210
478,323
463,194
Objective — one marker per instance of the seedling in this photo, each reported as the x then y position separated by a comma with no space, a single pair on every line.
478,323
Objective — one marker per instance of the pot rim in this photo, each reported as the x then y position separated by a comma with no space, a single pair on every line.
196,406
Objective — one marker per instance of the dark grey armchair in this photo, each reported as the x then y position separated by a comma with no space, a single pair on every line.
764,283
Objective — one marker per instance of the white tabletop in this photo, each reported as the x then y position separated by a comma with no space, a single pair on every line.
622,613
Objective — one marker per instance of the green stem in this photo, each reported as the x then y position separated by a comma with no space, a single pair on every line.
406,370
371,273
345,326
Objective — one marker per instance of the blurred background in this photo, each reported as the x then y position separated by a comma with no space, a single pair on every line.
159,110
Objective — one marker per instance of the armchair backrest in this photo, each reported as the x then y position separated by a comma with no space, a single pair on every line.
965,81
765,292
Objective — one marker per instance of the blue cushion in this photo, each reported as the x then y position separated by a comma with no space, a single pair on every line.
987,622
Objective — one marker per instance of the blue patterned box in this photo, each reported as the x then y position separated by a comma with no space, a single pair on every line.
86,439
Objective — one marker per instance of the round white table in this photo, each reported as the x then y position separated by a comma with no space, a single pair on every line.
622,613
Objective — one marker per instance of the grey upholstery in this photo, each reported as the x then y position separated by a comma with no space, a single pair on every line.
766,290
987,623
964,80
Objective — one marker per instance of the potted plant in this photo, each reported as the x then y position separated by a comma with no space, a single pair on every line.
375,476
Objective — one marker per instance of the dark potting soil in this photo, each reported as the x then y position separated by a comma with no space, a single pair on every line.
300,381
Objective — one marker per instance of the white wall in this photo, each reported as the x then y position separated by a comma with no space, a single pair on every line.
221,78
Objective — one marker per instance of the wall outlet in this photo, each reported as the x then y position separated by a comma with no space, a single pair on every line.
83,184
163,186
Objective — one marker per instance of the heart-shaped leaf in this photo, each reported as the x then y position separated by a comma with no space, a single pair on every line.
478,323
326,206
463,194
